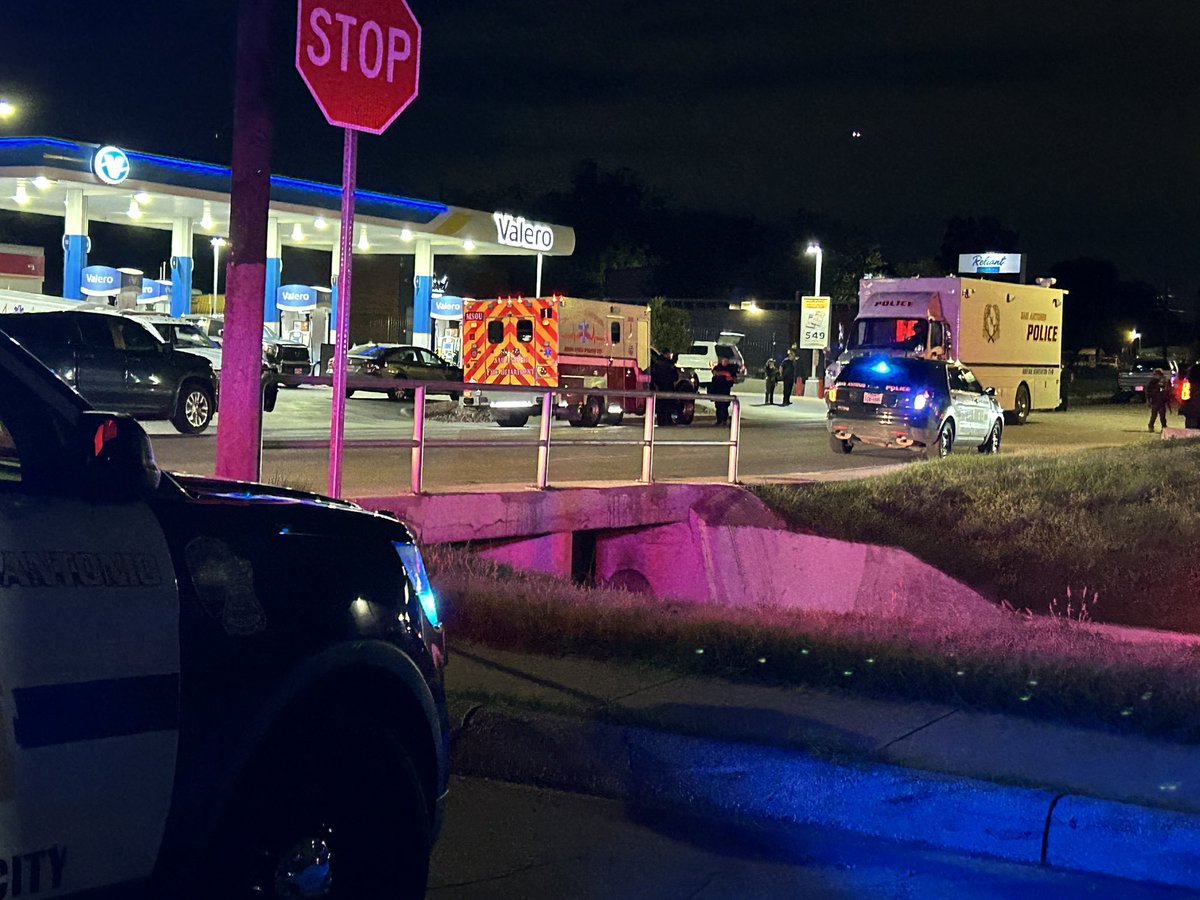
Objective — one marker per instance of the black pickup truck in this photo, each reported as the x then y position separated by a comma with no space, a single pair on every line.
207,689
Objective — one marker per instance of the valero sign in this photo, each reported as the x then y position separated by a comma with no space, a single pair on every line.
296,297
515,231
111,165
101,281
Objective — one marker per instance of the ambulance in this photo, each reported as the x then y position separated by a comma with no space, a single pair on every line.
207,688
1009,335
555,342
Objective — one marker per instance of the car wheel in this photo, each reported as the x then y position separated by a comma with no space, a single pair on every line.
685,410
992,444
589,413
614,418
194,411
837,445
511,420
943,446
1019,414
454,395
336,815
349,393
270,397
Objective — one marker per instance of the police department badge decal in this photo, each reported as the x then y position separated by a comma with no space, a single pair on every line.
991,322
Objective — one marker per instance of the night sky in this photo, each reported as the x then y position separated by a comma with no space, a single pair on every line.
1074,124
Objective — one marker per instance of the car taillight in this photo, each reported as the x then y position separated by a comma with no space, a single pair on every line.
920,400
831,394
1185,391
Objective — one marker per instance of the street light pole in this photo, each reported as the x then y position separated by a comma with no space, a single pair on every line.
814,249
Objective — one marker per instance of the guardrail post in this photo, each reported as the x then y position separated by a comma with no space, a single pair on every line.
648,442
543,469
418,450
735,436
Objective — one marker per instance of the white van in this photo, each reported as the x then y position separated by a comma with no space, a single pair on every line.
702,356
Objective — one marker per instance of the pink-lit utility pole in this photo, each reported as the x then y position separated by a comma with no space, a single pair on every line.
239,425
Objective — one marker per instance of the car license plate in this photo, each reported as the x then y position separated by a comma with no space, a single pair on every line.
869,397
1139,387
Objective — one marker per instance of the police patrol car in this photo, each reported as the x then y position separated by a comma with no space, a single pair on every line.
930,406
207,689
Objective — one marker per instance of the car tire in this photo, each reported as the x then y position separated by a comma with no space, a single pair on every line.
349,393
614,418
345,806
685,410
943,446
454,395
837,445
270,397
589,413
194,408
992,443
511,420
1019,414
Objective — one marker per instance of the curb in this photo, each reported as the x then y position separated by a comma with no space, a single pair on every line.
770,786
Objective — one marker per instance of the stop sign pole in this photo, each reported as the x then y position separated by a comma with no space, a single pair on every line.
361,62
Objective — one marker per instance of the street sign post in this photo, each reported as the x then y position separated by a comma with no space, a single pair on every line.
814,323
361,62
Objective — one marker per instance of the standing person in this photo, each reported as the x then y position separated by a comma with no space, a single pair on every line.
724,373
664,375
788,373
1158,396
771,373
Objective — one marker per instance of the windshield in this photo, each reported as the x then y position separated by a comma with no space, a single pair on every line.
370,351
889,334
190,336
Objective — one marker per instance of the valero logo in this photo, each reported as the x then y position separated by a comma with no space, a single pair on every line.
111,165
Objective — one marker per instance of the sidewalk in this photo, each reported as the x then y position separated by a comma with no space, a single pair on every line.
996,785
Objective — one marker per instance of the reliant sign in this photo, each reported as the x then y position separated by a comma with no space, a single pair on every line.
990,263
515,231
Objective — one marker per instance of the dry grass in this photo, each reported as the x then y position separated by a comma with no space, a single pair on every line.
1042,667
1120,521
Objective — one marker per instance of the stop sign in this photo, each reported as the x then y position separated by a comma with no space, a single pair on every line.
360,59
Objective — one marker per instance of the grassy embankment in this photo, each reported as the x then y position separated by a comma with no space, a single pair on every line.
1119,523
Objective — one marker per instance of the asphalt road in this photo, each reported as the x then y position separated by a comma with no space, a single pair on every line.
506,841
776,442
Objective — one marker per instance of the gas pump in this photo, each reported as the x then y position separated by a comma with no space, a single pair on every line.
303,318
447,327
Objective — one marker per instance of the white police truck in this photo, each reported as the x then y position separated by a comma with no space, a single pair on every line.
207,689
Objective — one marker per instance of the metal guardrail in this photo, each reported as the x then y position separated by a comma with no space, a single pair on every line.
418,443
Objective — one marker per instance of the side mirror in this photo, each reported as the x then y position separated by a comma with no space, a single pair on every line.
117,461
990,391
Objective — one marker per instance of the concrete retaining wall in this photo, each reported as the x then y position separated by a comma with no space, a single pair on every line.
702,543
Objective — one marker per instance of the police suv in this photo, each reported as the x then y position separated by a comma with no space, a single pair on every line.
930,406
207,689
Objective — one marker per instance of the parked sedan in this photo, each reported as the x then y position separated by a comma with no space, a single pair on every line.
929,406
400,361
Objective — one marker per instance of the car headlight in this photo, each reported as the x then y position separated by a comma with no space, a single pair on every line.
920,401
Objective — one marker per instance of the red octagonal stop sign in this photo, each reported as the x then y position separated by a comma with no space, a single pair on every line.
360,59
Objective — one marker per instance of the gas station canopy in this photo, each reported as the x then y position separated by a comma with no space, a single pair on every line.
128,187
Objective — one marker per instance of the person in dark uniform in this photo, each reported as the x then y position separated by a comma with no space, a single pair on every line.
724,374
664,375
788,375
1158,397
771,377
